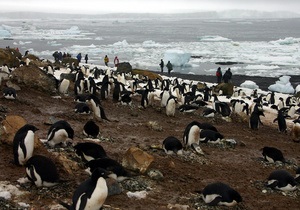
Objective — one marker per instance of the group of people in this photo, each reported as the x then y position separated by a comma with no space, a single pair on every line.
106,59
226,77
169,66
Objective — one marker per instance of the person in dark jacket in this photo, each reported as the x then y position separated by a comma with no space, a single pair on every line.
162,64
169,67
86,58
227,76
79,57
219,75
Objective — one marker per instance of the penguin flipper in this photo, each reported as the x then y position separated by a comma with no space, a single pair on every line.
67,206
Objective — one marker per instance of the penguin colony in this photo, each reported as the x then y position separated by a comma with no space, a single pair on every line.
91,86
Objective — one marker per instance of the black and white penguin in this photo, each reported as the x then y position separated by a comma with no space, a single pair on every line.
171,106
91,85
89,151
297,177
59,132
82,108
105,90
281,121
254,120
281,180
91,129
79,86
210,136
165,95
296,130
23,144
209,112
272,154
126,98
81,98
97,108
64,86
222,108
119,173
208,126
219,193
42,171
171,145
9,93
270,98
90,194
191,133
280,104
188,108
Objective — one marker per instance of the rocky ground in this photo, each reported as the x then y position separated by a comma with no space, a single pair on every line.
241,166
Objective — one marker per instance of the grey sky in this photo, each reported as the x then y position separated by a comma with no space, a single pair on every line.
146,6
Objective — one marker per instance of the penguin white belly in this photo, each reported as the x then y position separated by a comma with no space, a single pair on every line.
37,178
99,195
29,143
59,136
229,204
288,187
170,108
21,156
210,198
63,88
194,135
270,160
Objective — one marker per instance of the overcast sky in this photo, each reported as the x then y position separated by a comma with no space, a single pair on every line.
146,6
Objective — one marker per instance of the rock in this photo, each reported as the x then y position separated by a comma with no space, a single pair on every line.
9,126
178,206
70,76
124,67
12,85
10,56
33,77
155,174
227,88
113,186
137,160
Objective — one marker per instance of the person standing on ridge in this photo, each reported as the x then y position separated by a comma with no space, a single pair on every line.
116,61
162,64
219,75
86,58
78,57
169,67
106,60
227,76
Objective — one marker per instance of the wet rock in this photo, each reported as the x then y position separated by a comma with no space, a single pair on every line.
33,77
137,160
114,188
134,185
124,67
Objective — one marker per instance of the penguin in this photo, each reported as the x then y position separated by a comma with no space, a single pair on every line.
81,98
254,120
281,180
297,177
97,108
208,126
187,108
191,133
79,86
199,103
208,112
119,173
91,85
105,90
90,194
270,98
82,108
42,171
91,129
64,86
280,104
210,136
171,145
222,108
171,106
89,151
281,121
296,130
23,144
165,95
218,193
272,154
126,99
9,93
59,132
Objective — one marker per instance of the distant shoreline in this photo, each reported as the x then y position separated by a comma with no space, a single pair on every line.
237,80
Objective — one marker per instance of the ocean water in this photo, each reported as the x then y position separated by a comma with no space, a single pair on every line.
259,47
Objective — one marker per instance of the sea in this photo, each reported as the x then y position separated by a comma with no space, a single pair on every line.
252,47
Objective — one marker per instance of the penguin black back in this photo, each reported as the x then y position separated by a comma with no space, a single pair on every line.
89,151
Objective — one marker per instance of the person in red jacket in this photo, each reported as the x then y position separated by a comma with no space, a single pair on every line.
116,61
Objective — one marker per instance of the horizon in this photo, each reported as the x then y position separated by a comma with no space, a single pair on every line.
94,7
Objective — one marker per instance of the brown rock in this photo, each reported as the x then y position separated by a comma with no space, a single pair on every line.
227,88
33,77
137,160
10,126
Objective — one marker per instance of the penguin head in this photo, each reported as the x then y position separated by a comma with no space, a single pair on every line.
99,172
30,127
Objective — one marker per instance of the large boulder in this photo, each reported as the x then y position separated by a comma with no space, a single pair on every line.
33,77
10,56
137,160
226,88
124,67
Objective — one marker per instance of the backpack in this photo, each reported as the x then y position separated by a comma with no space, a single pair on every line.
218,74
